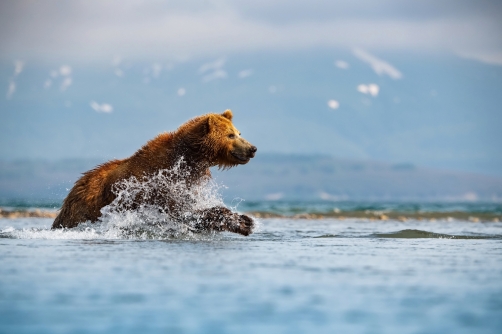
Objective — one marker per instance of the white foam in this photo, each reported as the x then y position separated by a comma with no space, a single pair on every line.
138,212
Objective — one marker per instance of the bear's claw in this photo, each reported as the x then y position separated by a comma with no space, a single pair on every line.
222,219
246,225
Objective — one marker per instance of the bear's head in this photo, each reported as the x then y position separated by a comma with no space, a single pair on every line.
218,141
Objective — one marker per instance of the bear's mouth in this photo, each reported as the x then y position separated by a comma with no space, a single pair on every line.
240,157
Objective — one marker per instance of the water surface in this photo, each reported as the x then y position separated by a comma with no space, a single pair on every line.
291,276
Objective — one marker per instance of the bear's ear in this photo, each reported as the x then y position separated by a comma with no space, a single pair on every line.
227,114
200,127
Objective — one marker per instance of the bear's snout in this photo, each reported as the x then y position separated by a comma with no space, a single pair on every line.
243,151
252,150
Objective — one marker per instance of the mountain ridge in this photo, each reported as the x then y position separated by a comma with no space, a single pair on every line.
278,177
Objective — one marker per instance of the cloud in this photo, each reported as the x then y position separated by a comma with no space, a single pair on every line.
342,64
245,73
65,70
492,58
218,74
380,66
66,83
181,92
214,70
333,104
190,29
215,65
18,67
104,107
11,90
156,69
118,72
371,89
117,60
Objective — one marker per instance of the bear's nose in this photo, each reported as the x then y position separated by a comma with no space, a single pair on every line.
253,149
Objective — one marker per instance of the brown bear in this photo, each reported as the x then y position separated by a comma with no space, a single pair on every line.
202,142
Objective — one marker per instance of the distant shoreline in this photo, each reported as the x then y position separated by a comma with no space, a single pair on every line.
369,215
36,213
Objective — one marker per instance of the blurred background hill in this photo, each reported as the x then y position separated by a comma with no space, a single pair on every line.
407,91
273,177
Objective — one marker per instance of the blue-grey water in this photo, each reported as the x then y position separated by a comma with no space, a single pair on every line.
290,207
290,276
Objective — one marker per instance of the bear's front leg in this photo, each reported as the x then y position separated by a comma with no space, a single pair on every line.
222,219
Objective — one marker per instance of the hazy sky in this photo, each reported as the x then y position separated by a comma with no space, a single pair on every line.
399,81
188,29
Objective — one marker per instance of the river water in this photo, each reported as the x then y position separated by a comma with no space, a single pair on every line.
290,276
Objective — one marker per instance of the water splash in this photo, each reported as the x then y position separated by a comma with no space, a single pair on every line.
159,206
163,201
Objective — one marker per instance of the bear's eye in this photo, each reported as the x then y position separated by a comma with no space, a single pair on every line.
231,136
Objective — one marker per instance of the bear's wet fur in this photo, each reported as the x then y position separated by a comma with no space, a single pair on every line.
202,142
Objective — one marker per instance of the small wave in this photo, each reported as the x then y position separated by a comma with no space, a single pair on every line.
418,234
326,236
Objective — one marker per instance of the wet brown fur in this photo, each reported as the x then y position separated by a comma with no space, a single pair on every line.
203,142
